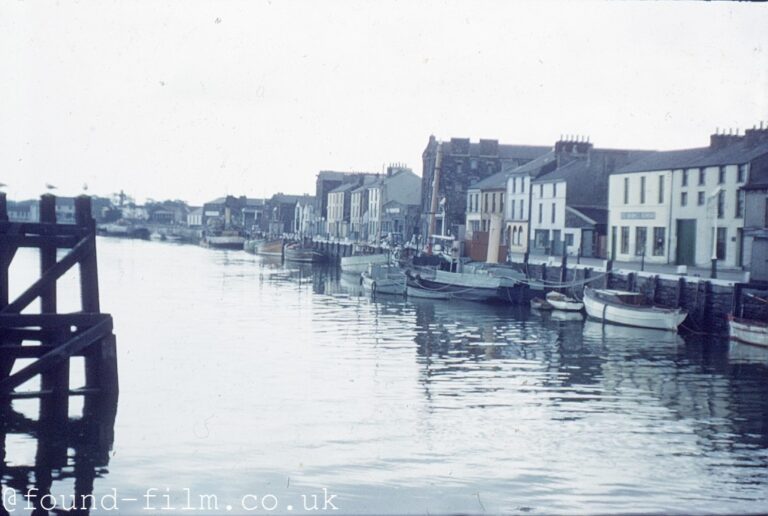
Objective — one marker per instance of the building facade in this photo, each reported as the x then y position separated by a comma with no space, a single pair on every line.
519,200
687,207
462,164
399,189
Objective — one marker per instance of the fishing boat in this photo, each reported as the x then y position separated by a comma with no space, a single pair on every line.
223,240
538,303
269,247
439,284
300,253
383,279
562,302
750,331
359,263
630,309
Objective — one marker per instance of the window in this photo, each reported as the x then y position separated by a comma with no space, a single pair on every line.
512,208
700,199
626,190
522,211
569,239
701,177
485,203
522,185
683,199
624,239
493,202
514,185
658,241
721,176
740,204
661,189
642,189
473,164
721,204
742,173
541,213
641,235
721,236
459,167
684,178
553,212
501,202
541,191
541,238
475,225
554,189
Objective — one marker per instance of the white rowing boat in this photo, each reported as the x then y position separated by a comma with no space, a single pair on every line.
562,302
359,263
630,309
748,330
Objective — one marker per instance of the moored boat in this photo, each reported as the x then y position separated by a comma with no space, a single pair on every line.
562,302
299,253
383,279
438,284
269,247
225,240
630,309
538,303
359,263
750,331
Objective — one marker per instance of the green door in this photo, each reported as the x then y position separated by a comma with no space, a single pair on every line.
686,242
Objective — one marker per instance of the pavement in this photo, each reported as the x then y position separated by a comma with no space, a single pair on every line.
729,275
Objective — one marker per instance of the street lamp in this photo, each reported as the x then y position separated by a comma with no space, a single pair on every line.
714,194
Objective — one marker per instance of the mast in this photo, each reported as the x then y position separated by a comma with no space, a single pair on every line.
435,190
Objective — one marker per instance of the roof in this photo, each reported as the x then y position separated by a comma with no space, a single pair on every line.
733,154
344,187
531,168
591,214
504,151
287,199
495,181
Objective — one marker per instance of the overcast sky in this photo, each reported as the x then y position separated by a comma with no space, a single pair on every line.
195,99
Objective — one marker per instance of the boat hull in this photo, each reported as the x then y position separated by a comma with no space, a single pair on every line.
360,263
269,248
303,255
383,285
224,242
639,317
564,303
748,331
422,287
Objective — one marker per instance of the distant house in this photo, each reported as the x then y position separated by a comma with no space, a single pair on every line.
485,201
569,204
230,211
23,211
392,201
280,212
195,217
463,164
687,207
339,210
305,217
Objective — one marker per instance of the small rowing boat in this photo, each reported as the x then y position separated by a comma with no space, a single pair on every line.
630,309
562,302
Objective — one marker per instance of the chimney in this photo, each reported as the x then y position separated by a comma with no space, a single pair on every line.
720,141
756,136
571,148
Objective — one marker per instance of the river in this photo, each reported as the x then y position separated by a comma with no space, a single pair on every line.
257,383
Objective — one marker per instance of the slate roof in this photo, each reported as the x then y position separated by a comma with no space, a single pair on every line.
495,181
505,151
532,167
733,154
599,215
344,187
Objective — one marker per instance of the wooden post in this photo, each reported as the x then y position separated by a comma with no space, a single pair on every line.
631,281
680,293
736,300
563,267
54,407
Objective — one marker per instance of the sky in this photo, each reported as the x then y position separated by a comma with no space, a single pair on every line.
193,100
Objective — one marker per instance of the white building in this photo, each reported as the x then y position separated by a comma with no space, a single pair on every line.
399,185
517,210
195,218
685,207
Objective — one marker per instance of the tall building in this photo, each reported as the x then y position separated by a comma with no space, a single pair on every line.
463,163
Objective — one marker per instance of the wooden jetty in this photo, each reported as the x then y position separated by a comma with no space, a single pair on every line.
43,344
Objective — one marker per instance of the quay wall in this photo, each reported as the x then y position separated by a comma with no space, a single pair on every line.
708,302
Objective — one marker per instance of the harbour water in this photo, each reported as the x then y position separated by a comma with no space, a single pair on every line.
242,378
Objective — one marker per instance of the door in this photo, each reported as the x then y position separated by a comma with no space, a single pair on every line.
613,242
759,265
588,243
686,242
557,244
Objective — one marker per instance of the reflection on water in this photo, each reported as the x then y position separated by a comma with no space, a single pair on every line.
242,375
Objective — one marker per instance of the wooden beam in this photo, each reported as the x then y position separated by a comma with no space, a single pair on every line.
61,352
63,242
82,249
45,229
13,320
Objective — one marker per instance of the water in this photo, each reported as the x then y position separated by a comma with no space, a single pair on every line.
243,378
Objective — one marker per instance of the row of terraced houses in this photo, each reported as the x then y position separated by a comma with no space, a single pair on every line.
684,207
